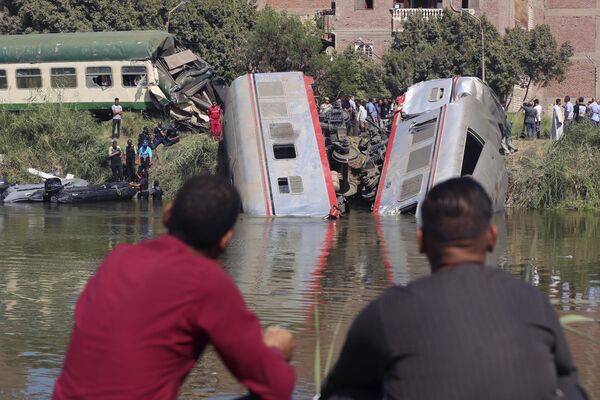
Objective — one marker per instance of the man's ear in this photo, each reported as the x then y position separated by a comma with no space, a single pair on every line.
224,242
492,237
421,240
166,216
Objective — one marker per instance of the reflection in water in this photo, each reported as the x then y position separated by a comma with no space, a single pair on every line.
309,275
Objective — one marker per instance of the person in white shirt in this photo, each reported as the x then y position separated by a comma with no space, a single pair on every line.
569,114
538,117
117,112
595,113
558,119
326,106
362,116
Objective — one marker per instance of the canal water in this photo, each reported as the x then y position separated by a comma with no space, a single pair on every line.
309,275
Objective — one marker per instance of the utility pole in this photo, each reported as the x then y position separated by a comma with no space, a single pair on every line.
460,11
182,2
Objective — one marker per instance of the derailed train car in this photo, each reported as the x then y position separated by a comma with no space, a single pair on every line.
87,70
275,148
447,128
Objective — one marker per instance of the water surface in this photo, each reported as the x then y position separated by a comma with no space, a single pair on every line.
309,275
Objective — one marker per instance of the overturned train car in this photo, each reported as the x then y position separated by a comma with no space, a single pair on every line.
447,128
275,149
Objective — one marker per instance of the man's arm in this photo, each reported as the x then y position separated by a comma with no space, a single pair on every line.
359,372
236,334
565,370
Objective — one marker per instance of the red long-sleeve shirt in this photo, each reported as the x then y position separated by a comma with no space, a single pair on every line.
145,318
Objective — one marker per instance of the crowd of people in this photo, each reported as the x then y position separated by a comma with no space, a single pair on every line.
466,332
378,112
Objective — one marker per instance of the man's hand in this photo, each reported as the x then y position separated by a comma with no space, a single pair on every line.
281,339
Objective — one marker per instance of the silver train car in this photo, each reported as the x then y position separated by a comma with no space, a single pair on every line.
275,148
447,128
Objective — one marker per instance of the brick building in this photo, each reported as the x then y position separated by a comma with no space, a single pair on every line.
369,26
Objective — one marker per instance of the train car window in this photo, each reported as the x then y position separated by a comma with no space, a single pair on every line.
473,148
30,78
284,151
3,80
133,76
98,77
284,185
63,77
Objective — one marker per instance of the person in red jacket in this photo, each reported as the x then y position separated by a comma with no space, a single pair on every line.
146,316
214,113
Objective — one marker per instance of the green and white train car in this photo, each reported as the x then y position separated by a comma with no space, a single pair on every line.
88,70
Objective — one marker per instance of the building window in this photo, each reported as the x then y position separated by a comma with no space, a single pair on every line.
98,77
30,78
3,80
63,78
363,4
133,76
364,47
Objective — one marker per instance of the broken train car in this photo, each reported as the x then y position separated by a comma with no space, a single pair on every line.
275,148
447,128
87,70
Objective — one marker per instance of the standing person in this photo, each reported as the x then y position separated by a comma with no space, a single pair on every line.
325,106
130,160
579,110
117,112
214,114
116,164
530,114
558,119
467,332
569,114
594,110
354,116
538,117
385,113
145,155
144,136
372,112
146,316
362,116
157,191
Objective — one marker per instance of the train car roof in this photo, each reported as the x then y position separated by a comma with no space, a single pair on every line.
85,46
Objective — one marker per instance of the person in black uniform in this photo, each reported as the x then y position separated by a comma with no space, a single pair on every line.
116,164
465,332
157,192
144,136
130,160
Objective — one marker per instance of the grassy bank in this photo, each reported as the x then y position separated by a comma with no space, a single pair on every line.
59,140
516,120
557,175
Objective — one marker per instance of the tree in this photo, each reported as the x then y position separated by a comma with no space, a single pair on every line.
281,42
352,73
446,47
539,59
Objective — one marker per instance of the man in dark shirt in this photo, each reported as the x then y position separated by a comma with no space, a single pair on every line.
148,313
116,164
130,161
466,332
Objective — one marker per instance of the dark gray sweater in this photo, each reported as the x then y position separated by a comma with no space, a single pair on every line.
470,332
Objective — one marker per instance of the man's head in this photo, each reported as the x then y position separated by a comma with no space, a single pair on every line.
581,100
145,143
155,184
114,143
536,101
145,129
558,102
327,100
456,224
214,103
116,101
567,99
129,142
203,214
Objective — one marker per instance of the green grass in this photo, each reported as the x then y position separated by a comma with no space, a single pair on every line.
558,175
516,120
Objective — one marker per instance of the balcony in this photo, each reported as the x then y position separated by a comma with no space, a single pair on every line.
400,15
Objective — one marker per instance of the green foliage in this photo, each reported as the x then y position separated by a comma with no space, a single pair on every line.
281,42
194,155
537,55
446,47
563,174
52,139
349,73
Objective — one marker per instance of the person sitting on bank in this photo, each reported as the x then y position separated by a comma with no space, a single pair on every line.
145,155
465,332
146,316
172,135
116,164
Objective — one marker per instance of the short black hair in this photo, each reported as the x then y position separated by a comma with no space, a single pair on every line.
204,210
456,210
536,101
567,98
558,101
116,98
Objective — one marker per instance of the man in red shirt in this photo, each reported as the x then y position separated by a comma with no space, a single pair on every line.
214,113
147,314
